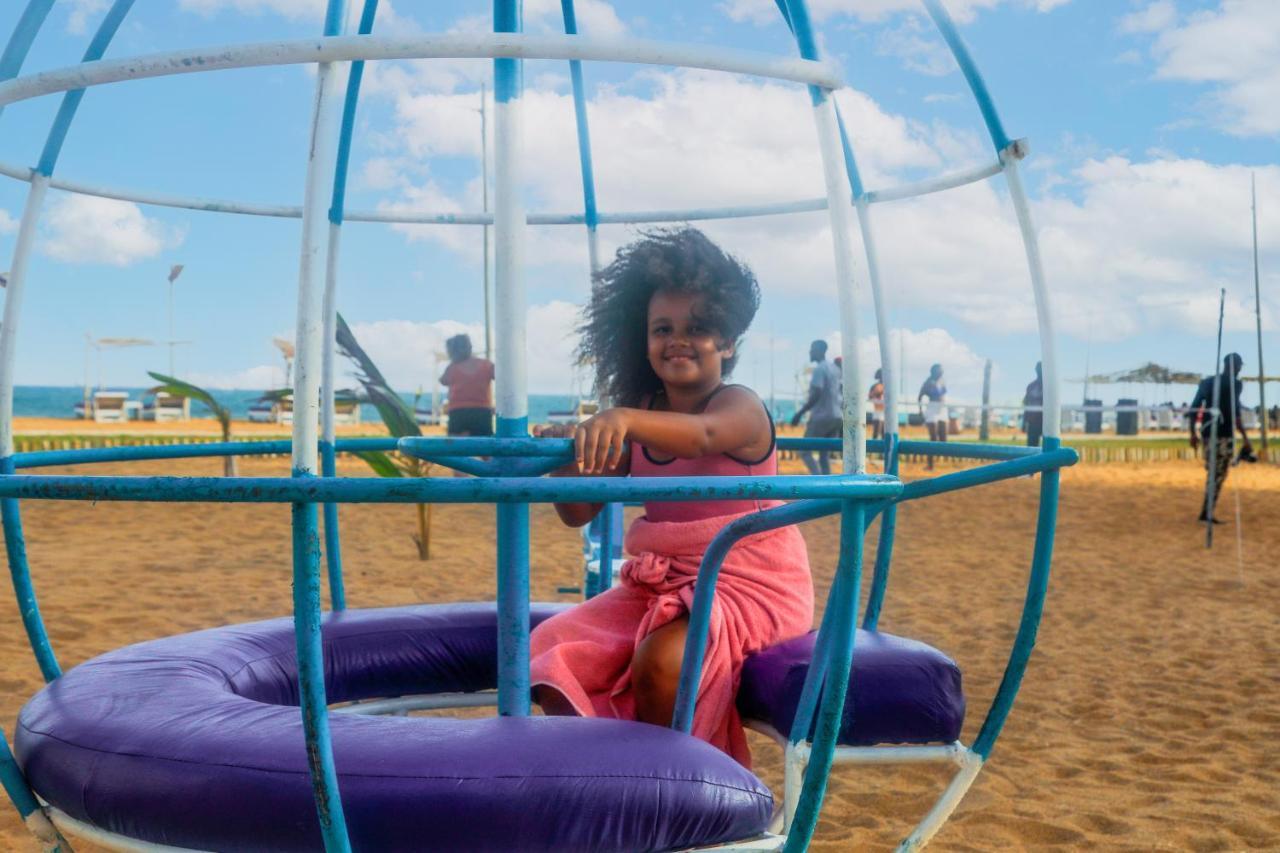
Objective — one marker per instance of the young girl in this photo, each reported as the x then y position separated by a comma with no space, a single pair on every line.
663,329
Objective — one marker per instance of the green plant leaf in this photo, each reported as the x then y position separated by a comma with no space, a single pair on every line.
170,385
395,413
381,463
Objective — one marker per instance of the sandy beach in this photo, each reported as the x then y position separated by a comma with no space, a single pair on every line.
1148,719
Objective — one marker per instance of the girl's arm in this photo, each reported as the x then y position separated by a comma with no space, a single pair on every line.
578,514
734,421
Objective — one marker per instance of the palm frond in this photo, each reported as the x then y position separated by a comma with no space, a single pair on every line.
395,413
170,385
381,463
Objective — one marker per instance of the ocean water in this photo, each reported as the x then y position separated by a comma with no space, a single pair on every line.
48,401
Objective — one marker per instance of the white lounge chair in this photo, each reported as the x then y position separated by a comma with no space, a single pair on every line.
109,407
164,407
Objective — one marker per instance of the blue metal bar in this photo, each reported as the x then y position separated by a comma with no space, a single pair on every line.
606,544
969,68
796,13
836,684
513,594
1032,609
884,547
71,100
24,591
695,646
1046,460
315,716
89,455
20,40
332,540
866,487
811,690
850,162
590,213
15,784
349,104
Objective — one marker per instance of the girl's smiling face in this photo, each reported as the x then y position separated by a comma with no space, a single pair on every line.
683,352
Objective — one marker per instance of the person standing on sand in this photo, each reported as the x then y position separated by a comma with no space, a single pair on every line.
1227,416
1033,409
823,407
876,397
469,380
934,394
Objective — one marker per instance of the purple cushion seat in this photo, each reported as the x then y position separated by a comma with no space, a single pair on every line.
190,741
900,691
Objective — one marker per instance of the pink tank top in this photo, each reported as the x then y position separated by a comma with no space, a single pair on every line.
646,464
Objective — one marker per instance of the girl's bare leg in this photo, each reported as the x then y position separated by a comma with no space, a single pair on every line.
655,672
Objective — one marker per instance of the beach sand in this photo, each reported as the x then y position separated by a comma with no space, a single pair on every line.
1148,719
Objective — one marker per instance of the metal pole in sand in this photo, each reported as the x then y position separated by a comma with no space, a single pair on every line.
1235,492
1211,451
1257,314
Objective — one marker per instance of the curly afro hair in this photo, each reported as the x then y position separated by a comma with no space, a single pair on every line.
668,260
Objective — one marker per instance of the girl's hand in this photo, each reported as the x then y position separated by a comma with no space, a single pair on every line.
598,441
558,431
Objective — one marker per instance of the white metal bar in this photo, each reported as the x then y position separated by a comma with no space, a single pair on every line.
888,371
308,364
328,361
14,293
840,209
510,387
447,46
946,804
935,185
954,753
1044,310
415,217
426,702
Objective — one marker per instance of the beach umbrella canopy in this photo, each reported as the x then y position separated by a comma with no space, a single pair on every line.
1149,373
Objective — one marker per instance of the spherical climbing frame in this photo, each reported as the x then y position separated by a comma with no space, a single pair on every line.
510,473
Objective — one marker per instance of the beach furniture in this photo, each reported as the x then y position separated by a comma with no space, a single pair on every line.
263,411
109,407
284,410
346,411
225,739
162,406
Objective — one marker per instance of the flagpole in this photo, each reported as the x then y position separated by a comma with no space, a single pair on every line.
1215,412
174,272
1257,313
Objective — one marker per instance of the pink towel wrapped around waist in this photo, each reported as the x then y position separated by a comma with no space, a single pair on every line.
764,596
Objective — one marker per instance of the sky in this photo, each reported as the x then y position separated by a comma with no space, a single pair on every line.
1146,120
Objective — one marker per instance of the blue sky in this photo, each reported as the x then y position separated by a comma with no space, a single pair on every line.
1145,120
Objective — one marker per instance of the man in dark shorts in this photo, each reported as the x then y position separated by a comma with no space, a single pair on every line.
1033,409
469,380
1218,457
823,407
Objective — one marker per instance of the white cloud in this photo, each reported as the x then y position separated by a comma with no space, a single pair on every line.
1152,18
88,230
963,11
8,224
257,378
80,12
1235,47
292,9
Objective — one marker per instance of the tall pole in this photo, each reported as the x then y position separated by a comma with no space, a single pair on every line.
1257,314
484,192
1211,481
174,272
984,428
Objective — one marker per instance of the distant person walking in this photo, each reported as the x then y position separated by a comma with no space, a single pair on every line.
1218,458
934,395
876,397
823,407
1033,409
469,380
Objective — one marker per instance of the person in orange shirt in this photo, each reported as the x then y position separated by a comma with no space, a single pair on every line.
469,380
876,397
